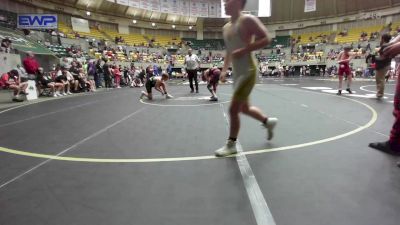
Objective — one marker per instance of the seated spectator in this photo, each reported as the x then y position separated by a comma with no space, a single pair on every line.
65,77
88,83
45,81
6,45
12,80
77,80
137,77
343,32
22,72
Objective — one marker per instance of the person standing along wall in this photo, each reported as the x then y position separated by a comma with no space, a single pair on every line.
382,67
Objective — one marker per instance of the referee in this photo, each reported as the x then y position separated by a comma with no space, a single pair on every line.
192,63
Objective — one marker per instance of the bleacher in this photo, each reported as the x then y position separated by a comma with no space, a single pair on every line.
66,30
312,37
8,19
214,44
129,39
354,34
307,57
59,51
395,25
280,40
163,41
94,33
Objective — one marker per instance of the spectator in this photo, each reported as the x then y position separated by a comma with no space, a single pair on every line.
6,44
45,81
31,65
63,76
368,47
99,74
87,82
21,71
142,74
126,75
169,69
107,75
91,69
77,80
155,70
117,76
382,66
11,80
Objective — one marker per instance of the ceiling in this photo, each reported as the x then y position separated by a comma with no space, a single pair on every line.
281,10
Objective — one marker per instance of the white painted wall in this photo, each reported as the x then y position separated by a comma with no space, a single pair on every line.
123,29
8,62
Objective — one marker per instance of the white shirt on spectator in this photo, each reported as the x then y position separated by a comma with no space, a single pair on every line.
192,62
22,71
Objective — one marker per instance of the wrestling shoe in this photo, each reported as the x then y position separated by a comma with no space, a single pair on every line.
228,149
382,146
142,95
270,125
168,96
214,99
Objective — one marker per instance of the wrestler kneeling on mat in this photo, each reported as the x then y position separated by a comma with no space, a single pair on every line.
212,77
159,84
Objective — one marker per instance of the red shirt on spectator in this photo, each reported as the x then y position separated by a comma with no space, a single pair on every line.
117,72
4,80
31,65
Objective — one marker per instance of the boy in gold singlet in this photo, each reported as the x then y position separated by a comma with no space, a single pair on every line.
242,35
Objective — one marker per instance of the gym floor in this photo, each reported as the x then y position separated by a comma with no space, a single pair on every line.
108,158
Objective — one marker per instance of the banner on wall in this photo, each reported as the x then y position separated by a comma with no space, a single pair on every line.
144,5
203,8
152,5
134,3
184,8
212,9
195,8
37,21
123,2
170,6
80,25
175,6
310,5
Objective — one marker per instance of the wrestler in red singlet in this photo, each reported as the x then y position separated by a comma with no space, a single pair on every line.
344,69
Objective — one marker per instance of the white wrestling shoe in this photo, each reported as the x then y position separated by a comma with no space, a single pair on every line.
270,125
228,149
142,95
168,96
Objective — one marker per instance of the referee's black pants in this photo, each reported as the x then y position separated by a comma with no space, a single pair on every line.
192,75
